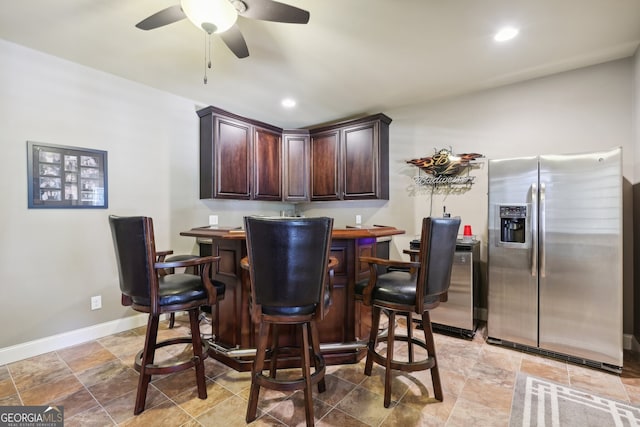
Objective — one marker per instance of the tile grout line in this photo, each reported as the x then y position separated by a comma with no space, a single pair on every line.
15,386
86,388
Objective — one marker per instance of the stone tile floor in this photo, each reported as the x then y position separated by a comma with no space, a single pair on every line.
96,384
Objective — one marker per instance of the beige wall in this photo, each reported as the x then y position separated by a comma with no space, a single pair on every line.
53,261
636,193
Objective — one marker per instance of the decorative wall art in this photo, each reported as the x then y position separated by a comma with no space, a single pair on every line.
66,177
445,169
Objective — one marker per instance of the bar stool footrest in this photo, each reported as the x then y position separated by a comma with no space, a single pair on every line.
419,365
176,365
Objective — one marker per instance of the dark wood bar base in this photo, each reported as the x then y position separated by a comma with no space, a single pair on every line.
343,330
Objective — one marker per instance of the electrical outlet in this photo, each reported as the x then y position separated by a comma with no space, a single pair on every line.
358,219
96,302
213,219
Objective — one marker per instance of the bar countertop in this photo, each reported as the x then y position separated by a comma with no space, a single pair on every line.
349,232
344,326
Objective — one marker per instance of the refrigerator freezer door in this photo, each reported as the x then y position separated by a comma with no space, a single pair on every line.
513,281
581,256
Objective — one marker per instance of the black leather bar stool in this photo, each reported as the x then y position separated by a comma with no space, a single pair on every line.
418,289
167,256
288,260
145,289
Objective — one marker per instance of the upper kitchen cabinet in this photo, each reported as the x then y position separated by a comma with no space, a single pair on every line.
295,159
246,159
239,158
267,166
350,160
325,168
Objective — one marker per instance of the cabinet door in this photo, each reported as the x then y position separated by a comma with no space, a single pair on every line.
296,167
325,173
232,142
267,166
360,154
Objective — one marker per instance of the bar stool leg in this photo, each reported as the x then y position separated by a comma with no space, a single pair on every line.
317,356
148,355
387,374
410,336
275,332
263,337
197,353
373,339
306,373
431,349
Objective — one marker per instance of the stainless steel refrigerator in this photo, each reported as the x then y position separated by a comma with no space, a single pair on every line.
555,256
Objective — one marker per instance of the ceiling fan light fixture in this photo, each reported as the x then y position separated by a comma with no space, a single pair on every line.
506,33
213,16
288,102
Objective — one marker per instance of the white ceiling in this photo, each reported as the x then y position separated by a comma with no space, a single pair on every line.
354,57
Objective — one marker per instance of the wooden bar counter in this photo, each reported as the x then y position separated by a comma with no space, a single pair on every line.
347,323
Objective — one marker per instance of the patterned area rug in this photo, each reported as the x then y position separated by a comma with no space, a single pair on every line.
538,402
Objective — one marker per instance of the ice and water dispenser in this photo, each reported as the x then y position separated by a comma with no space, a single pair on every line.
513,223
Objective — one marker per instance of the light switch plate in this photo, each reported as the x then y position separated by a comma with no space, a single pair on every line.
96,302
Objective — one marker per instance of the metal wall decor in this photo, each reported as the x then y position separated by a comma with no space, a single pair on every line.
445,169
66,177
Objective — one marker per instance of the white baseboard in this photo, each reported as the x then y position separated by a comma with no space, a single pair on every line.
629,342
67,339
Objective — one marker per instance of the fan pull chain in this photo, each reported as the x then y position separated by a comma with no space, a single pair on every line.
207,55
209,29
206,37
209,42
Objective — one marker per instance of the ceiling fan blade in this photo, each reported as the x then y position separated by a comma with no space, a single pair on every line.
269,10
235,41
164,17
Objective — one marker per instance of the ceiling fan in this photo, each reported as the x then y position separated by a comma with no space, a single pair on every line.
219,17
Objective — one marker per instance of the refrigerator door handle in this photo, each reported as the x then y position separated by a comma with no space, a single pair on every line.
534,229
543,257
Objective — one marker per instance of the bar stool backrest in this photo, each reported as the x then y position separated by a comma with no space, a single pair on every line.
135,254
438,244
288,259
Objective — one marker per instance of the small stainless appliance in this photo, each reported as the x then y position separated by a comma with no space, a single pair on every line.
457,315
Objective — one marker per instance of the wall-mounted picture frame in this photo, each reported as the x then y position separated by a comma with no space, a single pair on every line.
61,176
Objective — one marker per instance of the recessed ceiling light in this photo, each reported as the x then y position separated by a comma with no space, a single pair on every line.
506,33
288,103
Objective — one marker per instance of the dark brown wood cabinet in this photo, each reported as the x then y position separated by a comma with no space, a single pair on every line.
228,141
325,169
350,160
239,158
295,150
365,160
267,164
245,159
